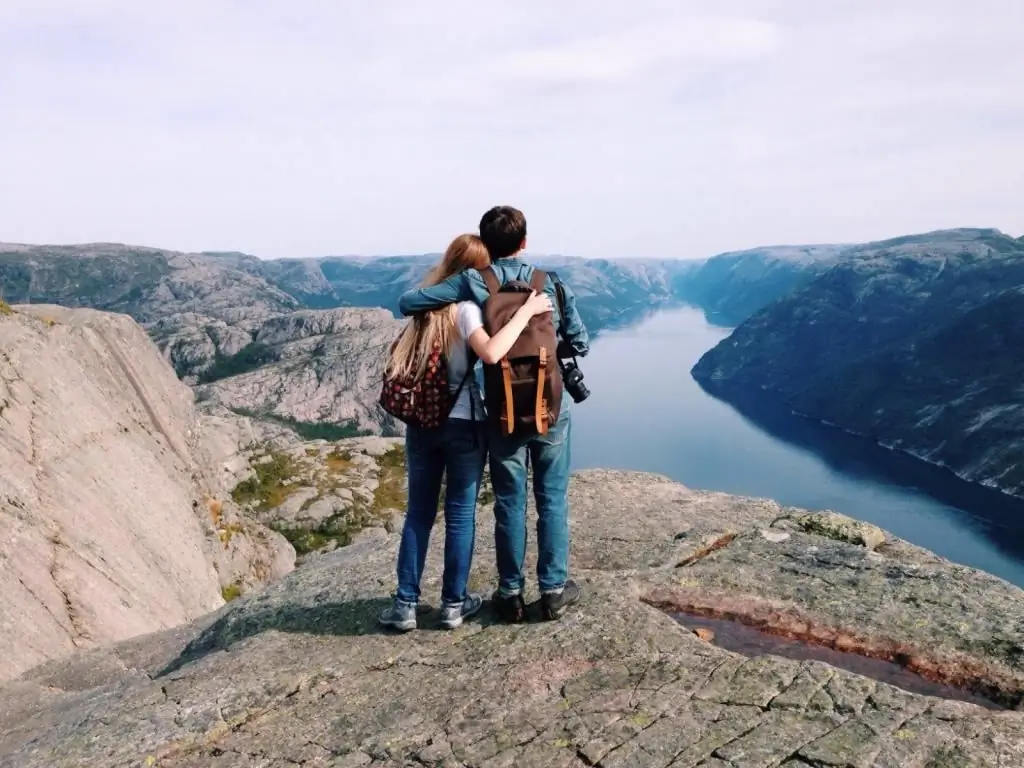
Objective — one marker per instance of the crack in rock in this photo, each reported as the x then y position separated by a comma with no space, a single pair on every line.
719,543
79,634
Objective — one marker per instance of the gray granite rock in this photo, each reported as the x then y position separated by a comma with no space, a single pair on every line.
299,674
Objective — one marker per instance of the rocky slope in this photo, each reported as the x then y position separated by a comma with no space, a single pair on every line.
915,342
730,287
310,367
298,674
192,291
266,337
112,520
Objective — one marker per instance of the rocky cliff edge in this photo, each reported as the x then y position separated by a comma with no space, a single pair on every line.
298,673
111,525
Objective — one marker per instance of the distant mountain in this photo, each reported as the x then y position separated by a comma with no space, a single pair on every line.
152,284
837,331
289,339
915,341
732,286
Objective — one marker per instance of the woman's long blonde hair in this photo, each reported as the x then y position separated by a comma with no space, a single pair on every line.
412,351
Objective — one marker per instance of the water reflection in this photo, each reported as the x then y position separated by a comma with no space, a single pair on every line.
647,413
997,516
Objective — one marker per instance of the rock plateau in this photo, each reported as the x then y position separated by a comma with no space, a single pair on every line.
298,674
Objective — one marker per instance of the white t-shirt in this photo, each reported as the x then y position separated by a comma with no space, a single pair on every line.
467,319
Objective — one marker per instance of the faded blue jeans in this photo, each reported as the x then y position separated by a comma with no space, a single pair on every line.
458,449
549,460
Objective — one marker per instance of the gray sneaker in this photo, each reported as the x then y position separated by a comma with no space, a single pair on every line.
400,615
452,614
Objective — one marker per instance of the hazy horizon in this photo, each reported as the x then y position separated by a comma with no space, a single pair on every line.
655,128
529,253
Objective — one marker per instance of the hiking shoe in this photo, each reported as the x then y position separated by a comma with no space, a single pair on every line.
399,615
510,608
452,614
553,604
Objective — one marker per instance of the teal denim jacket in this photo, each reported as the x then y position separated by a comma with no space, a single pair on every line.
470,286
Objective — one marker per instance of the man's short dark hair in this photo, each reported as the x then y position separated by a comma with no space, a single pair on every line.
503,229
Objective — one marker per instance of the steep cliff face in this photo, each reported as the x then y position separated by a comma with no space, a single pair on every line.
952,395
110,525
913,341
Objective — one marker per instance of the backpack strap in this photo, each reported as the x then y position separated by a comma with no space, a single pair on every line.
491,280
560,300
538,280
540,411
508,417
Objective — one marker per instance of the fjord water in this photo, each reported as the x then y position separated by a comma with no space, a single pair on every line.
647,413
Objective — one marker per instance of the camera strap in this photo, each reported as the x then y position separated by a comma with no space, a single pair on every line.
560,298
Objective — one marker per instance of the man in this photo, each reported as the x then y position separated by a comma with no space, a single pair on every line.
503,231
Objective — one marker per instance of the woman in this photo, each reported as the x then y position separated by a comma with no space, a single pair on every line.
458,449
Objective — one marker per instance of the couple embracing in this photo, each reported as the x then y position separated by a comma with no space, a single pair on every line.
483,302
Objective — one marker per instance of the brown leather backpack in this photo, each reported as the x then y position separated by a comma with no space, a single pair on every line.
523,390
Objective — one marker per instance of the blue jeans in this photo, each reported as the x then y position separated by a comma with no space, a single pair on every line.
549,456
458,449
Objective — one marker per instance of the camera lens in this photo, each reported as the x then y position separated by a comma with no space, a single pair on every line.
572,377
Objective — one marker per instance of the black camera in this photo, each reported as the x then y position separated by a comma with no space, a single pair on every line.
572,378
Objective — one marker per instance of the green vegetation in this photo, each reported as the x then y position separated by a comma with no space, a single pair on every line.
5,308
390,493
309,430
248,358
342,528
181,368
231,592
308,541
338,461
269,488
228,532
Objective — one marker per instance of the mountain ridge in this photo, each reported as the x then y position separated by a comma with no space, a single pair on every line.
884,343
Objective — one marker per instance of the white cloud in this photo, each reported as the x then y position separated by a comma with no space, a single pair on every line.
625,128
625,54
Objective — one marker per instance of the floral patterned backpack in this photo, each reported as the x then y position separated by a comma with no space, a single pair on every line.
424,402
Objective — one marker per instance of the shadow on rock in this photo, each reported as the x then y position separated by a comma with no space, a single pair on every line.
348,618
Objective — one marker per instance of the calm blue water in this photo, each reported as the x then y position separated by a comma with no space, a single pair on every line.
647,413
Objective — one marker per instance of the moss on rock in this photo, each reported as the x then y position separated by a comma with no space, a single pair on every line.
842,528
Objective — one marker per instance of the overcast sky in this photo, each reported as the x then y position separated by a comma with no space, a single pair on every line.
628,128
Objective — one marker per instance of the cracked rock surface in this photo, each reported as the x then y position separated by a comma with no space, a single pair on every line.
298,673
